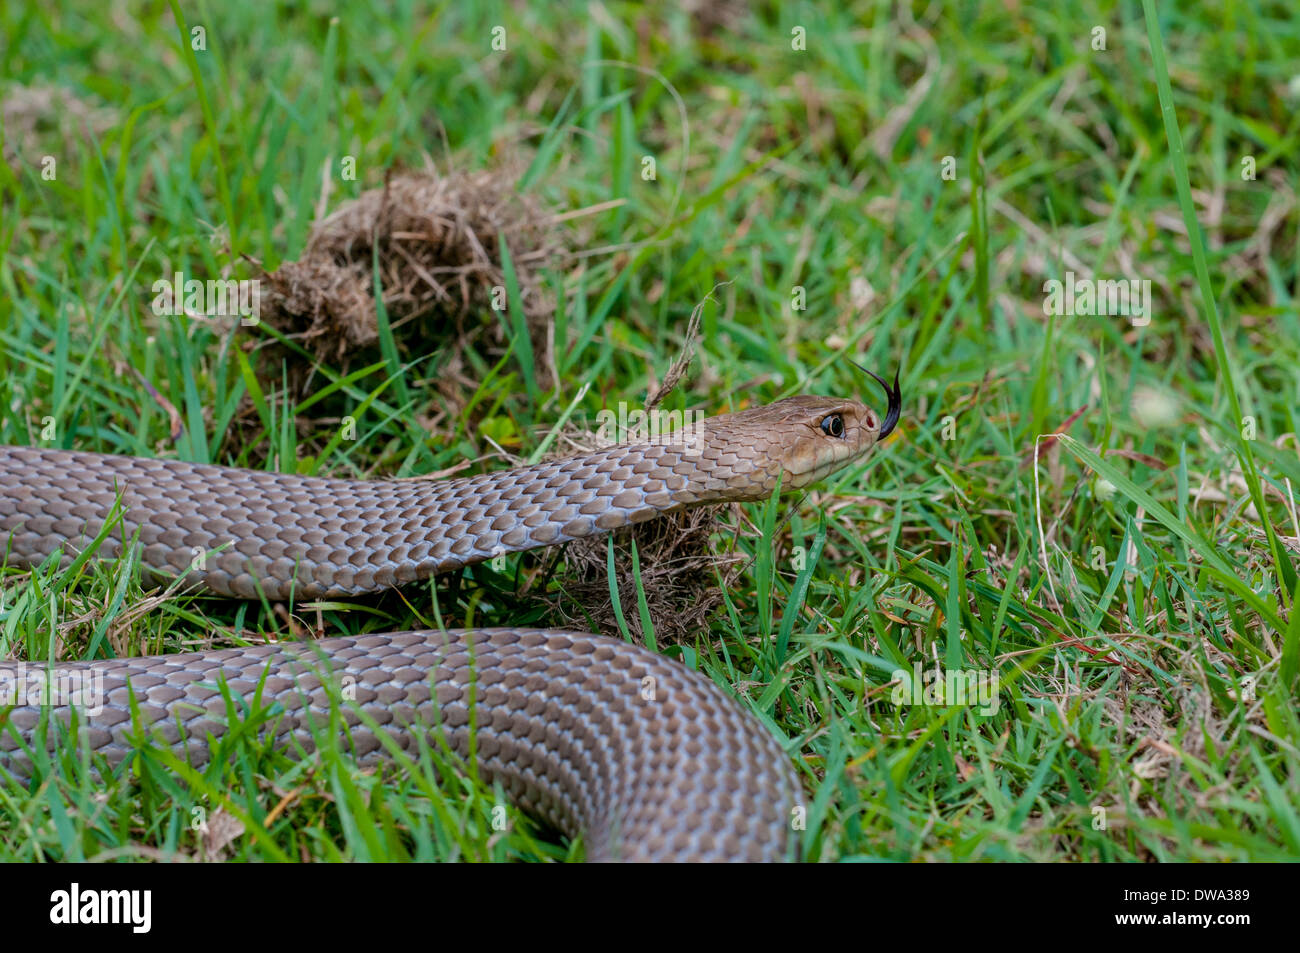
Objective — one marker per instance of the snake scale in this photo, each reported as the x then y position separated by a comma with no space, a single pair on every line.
643,758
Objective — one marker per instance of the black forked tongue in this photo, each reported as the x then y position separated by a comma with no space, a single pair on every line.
895,401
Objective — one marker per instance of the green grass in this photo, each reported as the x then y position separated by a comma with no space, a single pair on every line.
1122,584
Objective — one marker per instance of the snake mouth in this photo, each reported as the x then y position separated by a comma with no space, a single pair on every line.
895,400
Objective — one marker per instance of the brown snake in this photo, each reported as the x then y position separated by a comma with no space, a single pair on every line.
643,758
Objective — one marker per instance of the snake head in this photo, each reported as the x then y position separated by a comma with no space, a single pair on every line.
831,433
803,438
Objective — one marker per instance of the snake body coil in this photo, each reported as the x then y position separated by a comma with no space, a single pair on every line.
643,758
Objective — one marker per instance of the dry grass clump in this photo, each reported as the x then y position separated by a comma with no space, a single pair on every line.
435,241
685,559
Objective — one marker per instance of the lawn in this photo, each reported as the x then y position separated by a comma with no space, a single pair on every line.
1072,226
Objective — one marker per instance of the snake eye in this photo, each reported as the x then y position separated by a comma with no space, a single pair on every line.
833,426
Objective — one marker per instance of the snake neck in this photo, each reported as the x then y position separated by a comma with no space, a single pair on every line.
473,519
249,533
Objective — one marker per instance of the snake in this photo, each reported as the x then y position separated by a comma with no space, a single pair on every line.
597,737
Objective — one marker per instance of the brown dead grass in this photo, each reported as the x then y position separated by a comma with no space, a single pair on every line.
435,240
682,557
